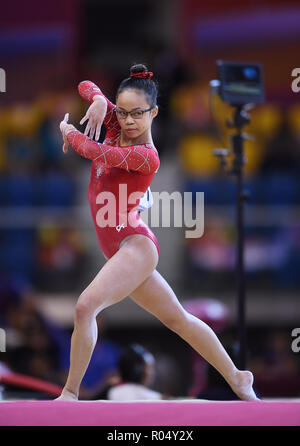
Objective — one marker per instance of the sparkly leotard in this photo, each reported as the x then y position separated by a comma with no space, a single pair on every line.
116,173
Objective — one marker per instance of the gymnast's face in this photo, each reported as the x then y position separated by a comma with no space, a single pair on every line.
138,124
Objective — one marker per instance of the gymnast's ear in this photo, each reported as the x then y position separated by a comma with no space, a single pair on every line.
154,111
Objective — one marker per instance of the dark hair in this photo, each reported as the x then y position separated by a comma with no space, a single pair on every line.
148,86
132,363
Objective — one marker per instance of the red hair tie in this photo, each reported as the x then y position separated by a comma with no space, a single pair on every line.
142,75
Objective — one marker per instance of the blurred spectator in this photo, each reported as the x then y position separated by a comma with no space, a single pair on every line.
137,369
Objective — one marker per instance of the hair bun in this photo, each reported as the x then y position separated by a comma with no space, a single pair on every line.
140,71
140,79
138,68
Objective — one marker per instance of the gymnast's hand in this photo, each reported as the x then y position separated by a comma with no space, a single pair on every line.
65,128
95,115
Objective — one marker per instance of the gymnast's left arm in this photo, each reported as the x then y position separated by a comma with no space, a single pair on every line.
138,158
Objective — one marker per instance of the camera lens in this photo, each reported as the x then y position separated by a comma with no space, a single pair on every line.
250,73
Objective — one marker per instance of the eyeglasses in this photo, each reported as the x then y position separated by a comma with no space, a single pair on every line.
136,114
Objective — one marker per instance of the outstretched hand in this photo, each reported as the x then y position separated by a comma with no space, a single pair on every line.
95,115
65,128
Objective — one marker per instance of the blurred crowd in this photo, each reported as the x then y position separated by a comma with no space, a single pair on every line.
38,239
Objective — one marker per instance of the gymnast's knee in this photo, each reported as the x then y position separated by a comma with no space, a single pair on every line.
177,322
85,309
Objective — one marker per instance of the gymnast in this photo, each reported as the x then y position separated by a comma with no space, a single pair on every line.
128,156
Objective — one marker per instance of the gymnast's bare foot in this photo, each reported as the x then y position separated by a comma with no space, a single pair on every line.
66,395
242,385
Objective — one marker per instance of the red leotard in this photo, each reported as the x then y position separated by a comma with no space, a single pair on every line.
134,167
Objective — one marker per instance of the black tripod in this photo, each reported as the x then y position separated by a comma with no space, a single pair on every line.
240,119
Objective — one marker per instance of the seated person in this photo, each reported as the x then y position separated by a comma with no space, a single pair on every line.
136,368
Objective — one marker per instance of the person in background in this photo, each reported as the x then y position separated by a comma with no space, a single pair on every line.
137,370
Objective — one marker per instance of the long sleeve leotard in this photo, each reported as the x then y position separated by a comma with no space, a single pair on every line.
119,177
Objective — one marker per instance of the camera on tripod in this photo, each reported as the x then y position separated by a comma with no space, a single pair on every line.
239,83
242,86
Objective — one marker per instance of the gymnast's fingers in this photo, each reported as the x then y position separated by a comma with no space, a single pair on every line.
88,126
84,119
98,130
92,132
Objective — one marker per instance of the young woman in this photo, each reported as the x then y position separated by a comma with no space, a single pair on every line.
129,158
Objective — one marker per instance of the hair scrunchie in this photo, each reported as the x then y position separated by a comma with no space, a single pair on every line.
142,75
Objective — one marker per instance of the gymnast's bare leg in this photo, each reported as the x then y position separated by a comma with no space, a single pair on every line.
157,297
131,265
134,265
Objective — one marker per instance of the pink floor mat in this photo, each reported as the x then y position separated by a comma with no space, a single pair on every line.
144,413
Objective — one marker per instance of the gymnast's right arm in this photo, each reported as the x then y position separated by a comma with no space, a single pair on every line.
100,110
